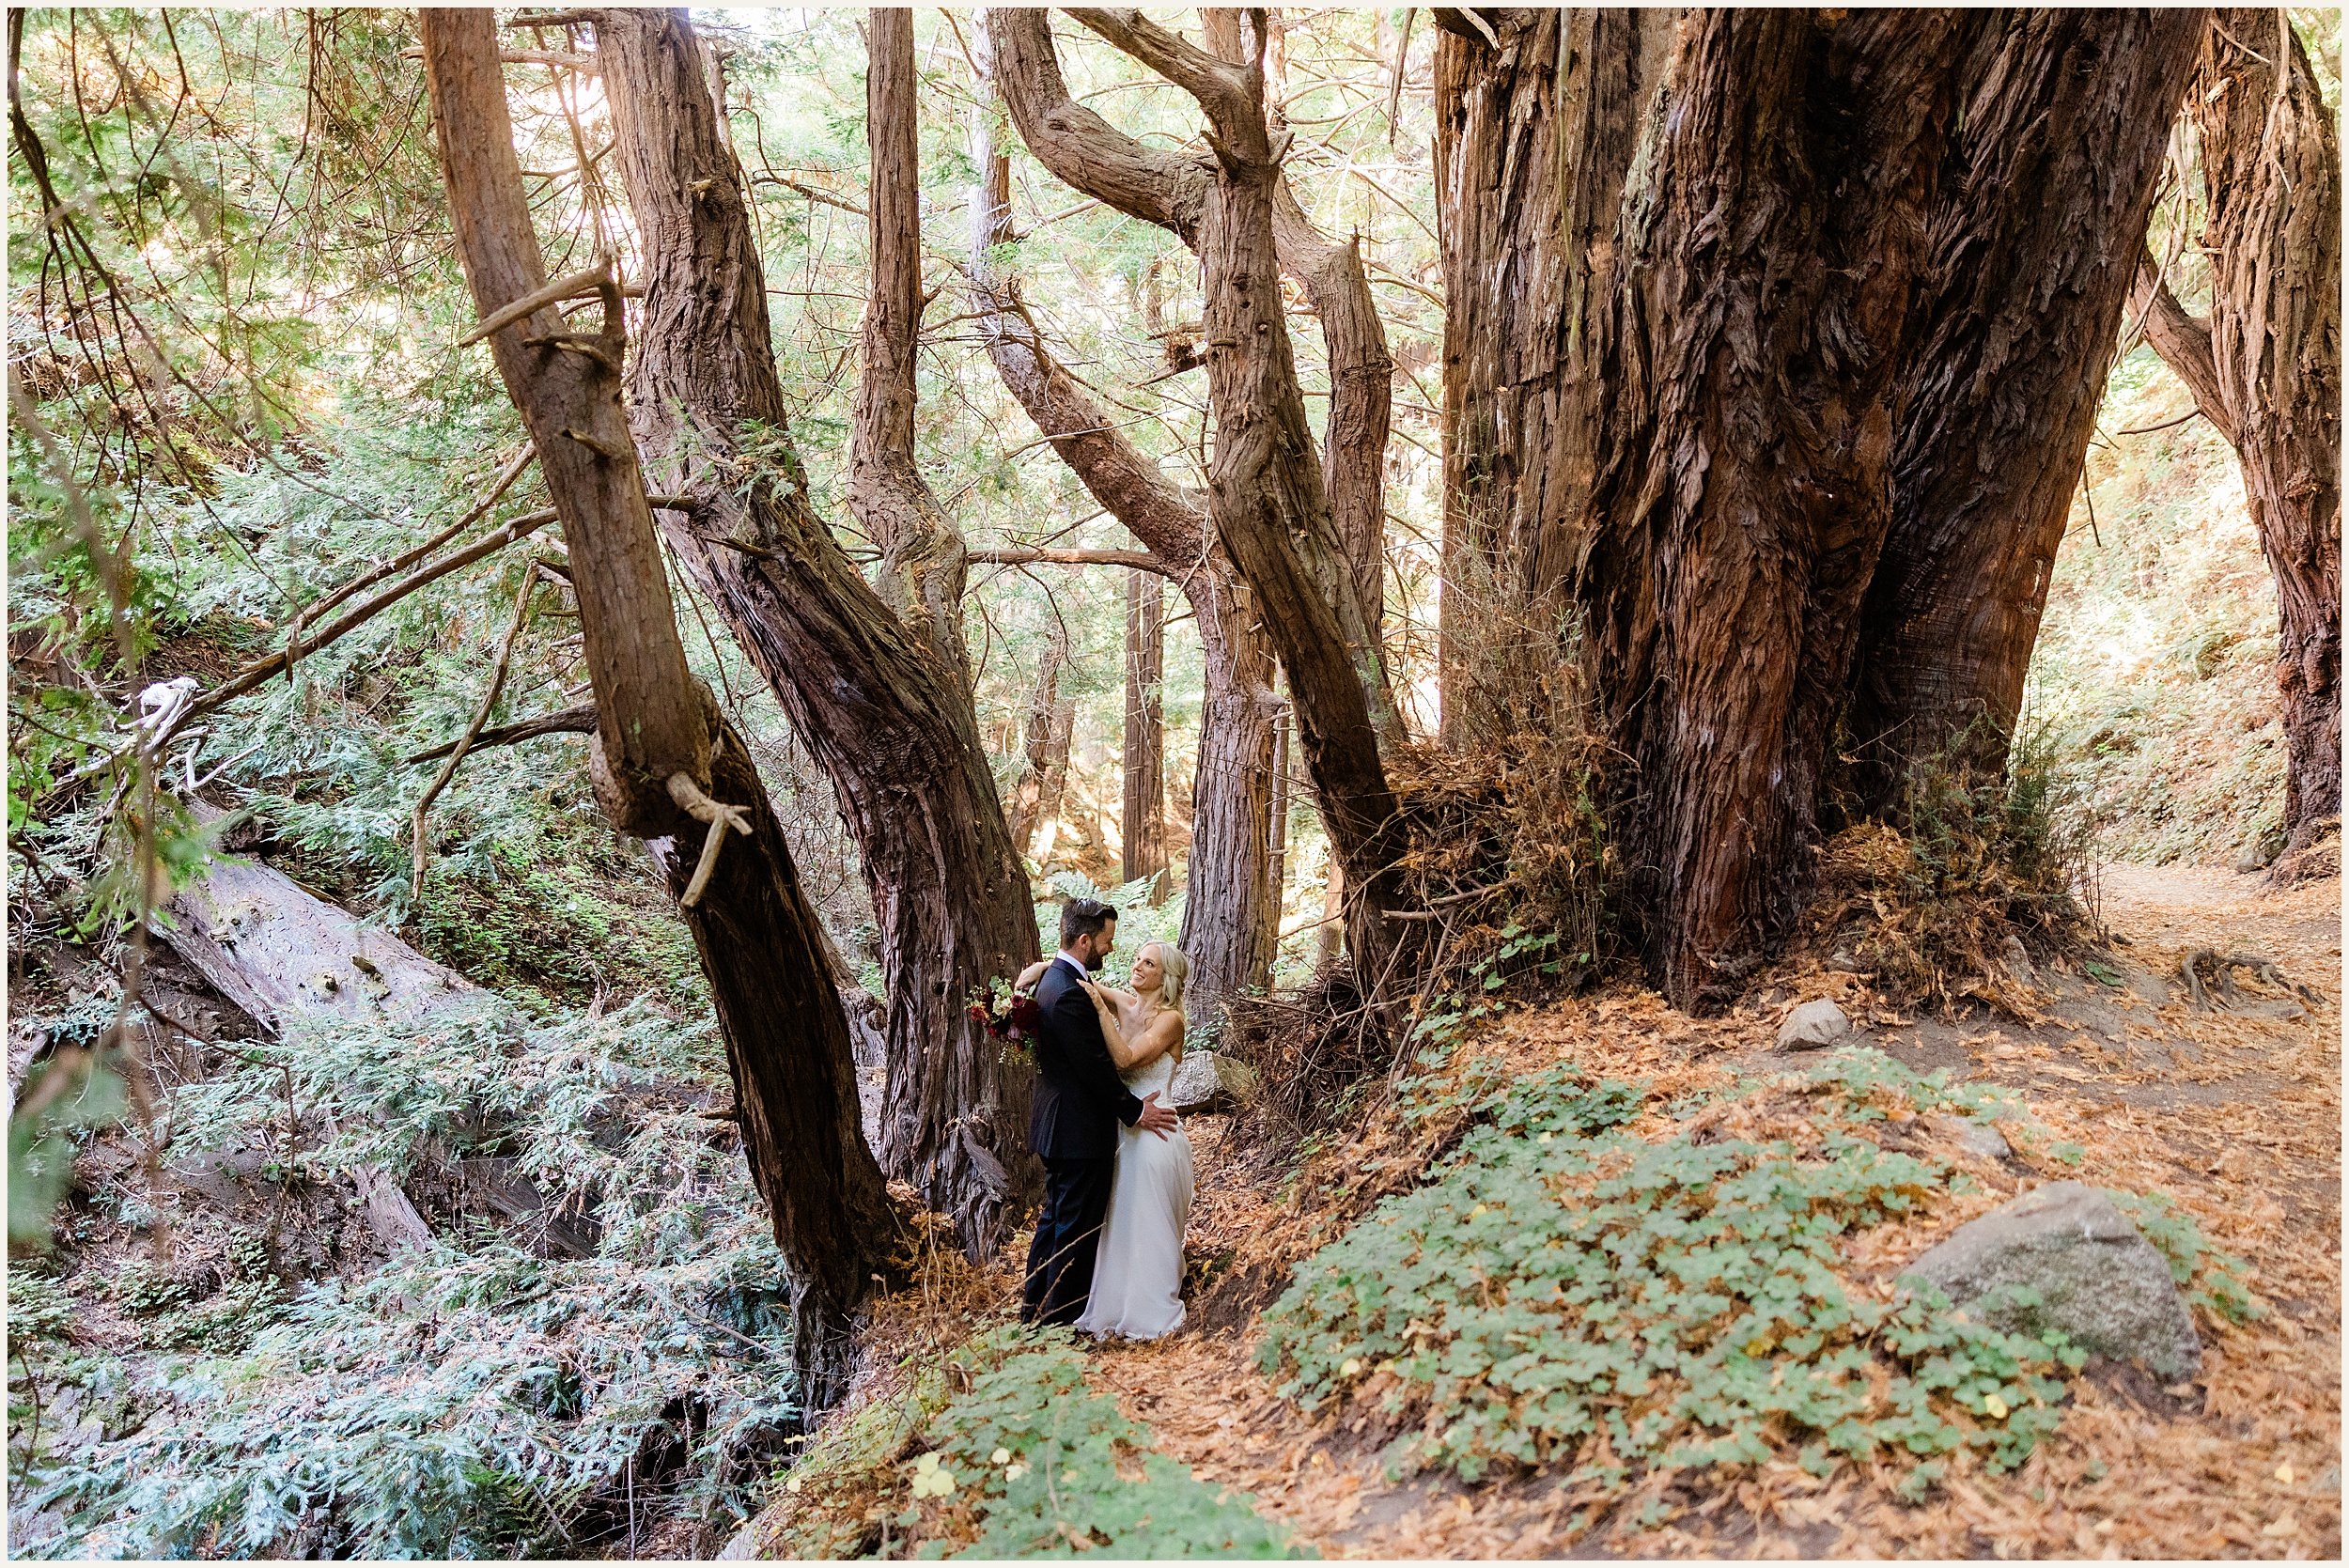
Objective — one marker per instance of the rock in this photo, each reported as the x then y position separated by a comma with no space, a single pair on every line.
1208,1082
1975,1138
2099,1282
1814,1026
2018,964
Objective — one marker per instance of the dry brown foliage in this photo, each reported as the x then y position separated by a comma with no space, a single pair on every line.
2235,1115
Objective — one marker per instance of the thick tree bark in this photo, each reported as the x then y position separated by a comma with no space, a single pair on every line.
1745,489
1266,495
1225,932
1532,151
2265,368
922,571
659,751
883,713
1142,826
1172,192
2065,121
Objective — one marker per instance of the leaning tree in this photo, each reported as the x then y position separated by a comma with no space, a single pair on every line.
665,765
1229,914
2264,366
877,696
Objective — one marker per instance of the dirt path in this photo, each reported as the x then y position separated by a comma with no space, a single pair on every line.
2234,1113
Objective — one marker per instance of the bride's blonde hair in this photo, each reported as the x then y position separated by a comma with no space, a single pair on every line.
1174,969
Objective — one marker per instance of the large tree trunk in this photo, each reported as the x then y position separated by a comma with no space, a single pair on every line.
921,570
2066,118
1265,494
662,763
2265,368
1142,826
1531,155
1225,933
883,714
1745,488
1173,192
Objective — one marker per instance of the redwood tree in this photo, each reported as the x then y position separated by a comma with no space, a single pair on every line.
1141,827
666,766
2265,366
881,711
922,567
1227,930
1776,341
1267,497
2066,118
1773,246
1537,114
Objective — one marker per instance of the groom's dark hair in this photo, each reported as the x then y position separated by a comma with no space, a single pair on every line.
1083,917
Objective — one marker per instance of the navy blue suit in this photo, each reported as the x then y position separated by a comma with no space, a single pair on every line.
1072,1124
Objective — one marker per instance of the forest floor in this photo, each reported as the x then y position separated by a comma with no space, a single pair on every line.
2234,1111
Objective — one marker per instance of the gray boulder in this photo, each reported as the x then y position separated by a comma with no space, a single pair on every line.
1814,1026
1208,1082
2099,1282
1975,1138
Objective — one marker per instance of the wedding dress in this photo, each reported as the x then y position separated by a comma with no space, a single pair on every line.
1138,1272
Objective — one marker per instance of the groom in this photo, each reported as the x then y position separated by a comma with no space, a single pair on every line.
1078,1102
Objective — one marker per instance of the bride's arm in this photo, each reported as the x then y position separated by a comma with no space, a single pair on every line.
1032,973
1146,1044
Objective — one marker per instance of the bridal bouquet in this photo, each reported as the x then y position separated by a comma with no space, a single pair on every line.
1012,1017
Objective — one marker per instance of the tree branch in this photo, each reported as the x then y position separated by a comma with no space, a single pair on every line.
1139,560
1079,146
571,721
2182,340
1221,87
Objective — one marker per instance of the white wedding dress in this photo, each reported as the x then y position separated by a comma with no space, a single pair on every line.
1138,1272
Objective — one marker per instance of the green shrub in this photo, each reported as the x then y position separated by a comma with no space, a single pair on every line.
1563,1293
1034,1456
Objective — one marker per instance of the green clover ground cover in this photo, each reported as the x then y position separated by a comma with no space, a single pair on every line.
1564,1291
1026,1461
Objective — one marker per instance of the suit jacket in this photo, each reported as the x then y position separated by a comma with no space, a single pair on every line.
1080,1099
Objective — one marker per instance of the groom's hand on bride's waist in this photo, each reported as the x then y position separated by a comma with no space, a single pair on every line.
1156,1117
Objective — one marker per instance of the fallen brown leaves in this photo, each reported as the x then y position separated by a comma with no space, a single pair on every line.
2236,1117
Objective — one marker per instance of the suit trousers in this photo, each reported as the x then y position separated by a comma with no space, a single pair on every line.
1067,1233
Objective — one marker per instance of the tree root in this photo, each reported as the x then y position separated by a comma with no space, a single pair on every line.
2222,977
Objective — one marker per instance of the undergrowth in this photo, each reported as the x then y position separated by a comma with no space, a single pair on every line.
469,1398
1565,1292
999,1448
1980,868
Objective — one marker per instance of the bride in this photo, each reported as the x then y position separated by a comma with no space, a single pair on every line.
1138,1275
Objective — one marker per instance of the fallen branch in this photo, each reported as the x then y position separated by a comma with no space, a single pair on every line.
254,675
408,558
588,281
